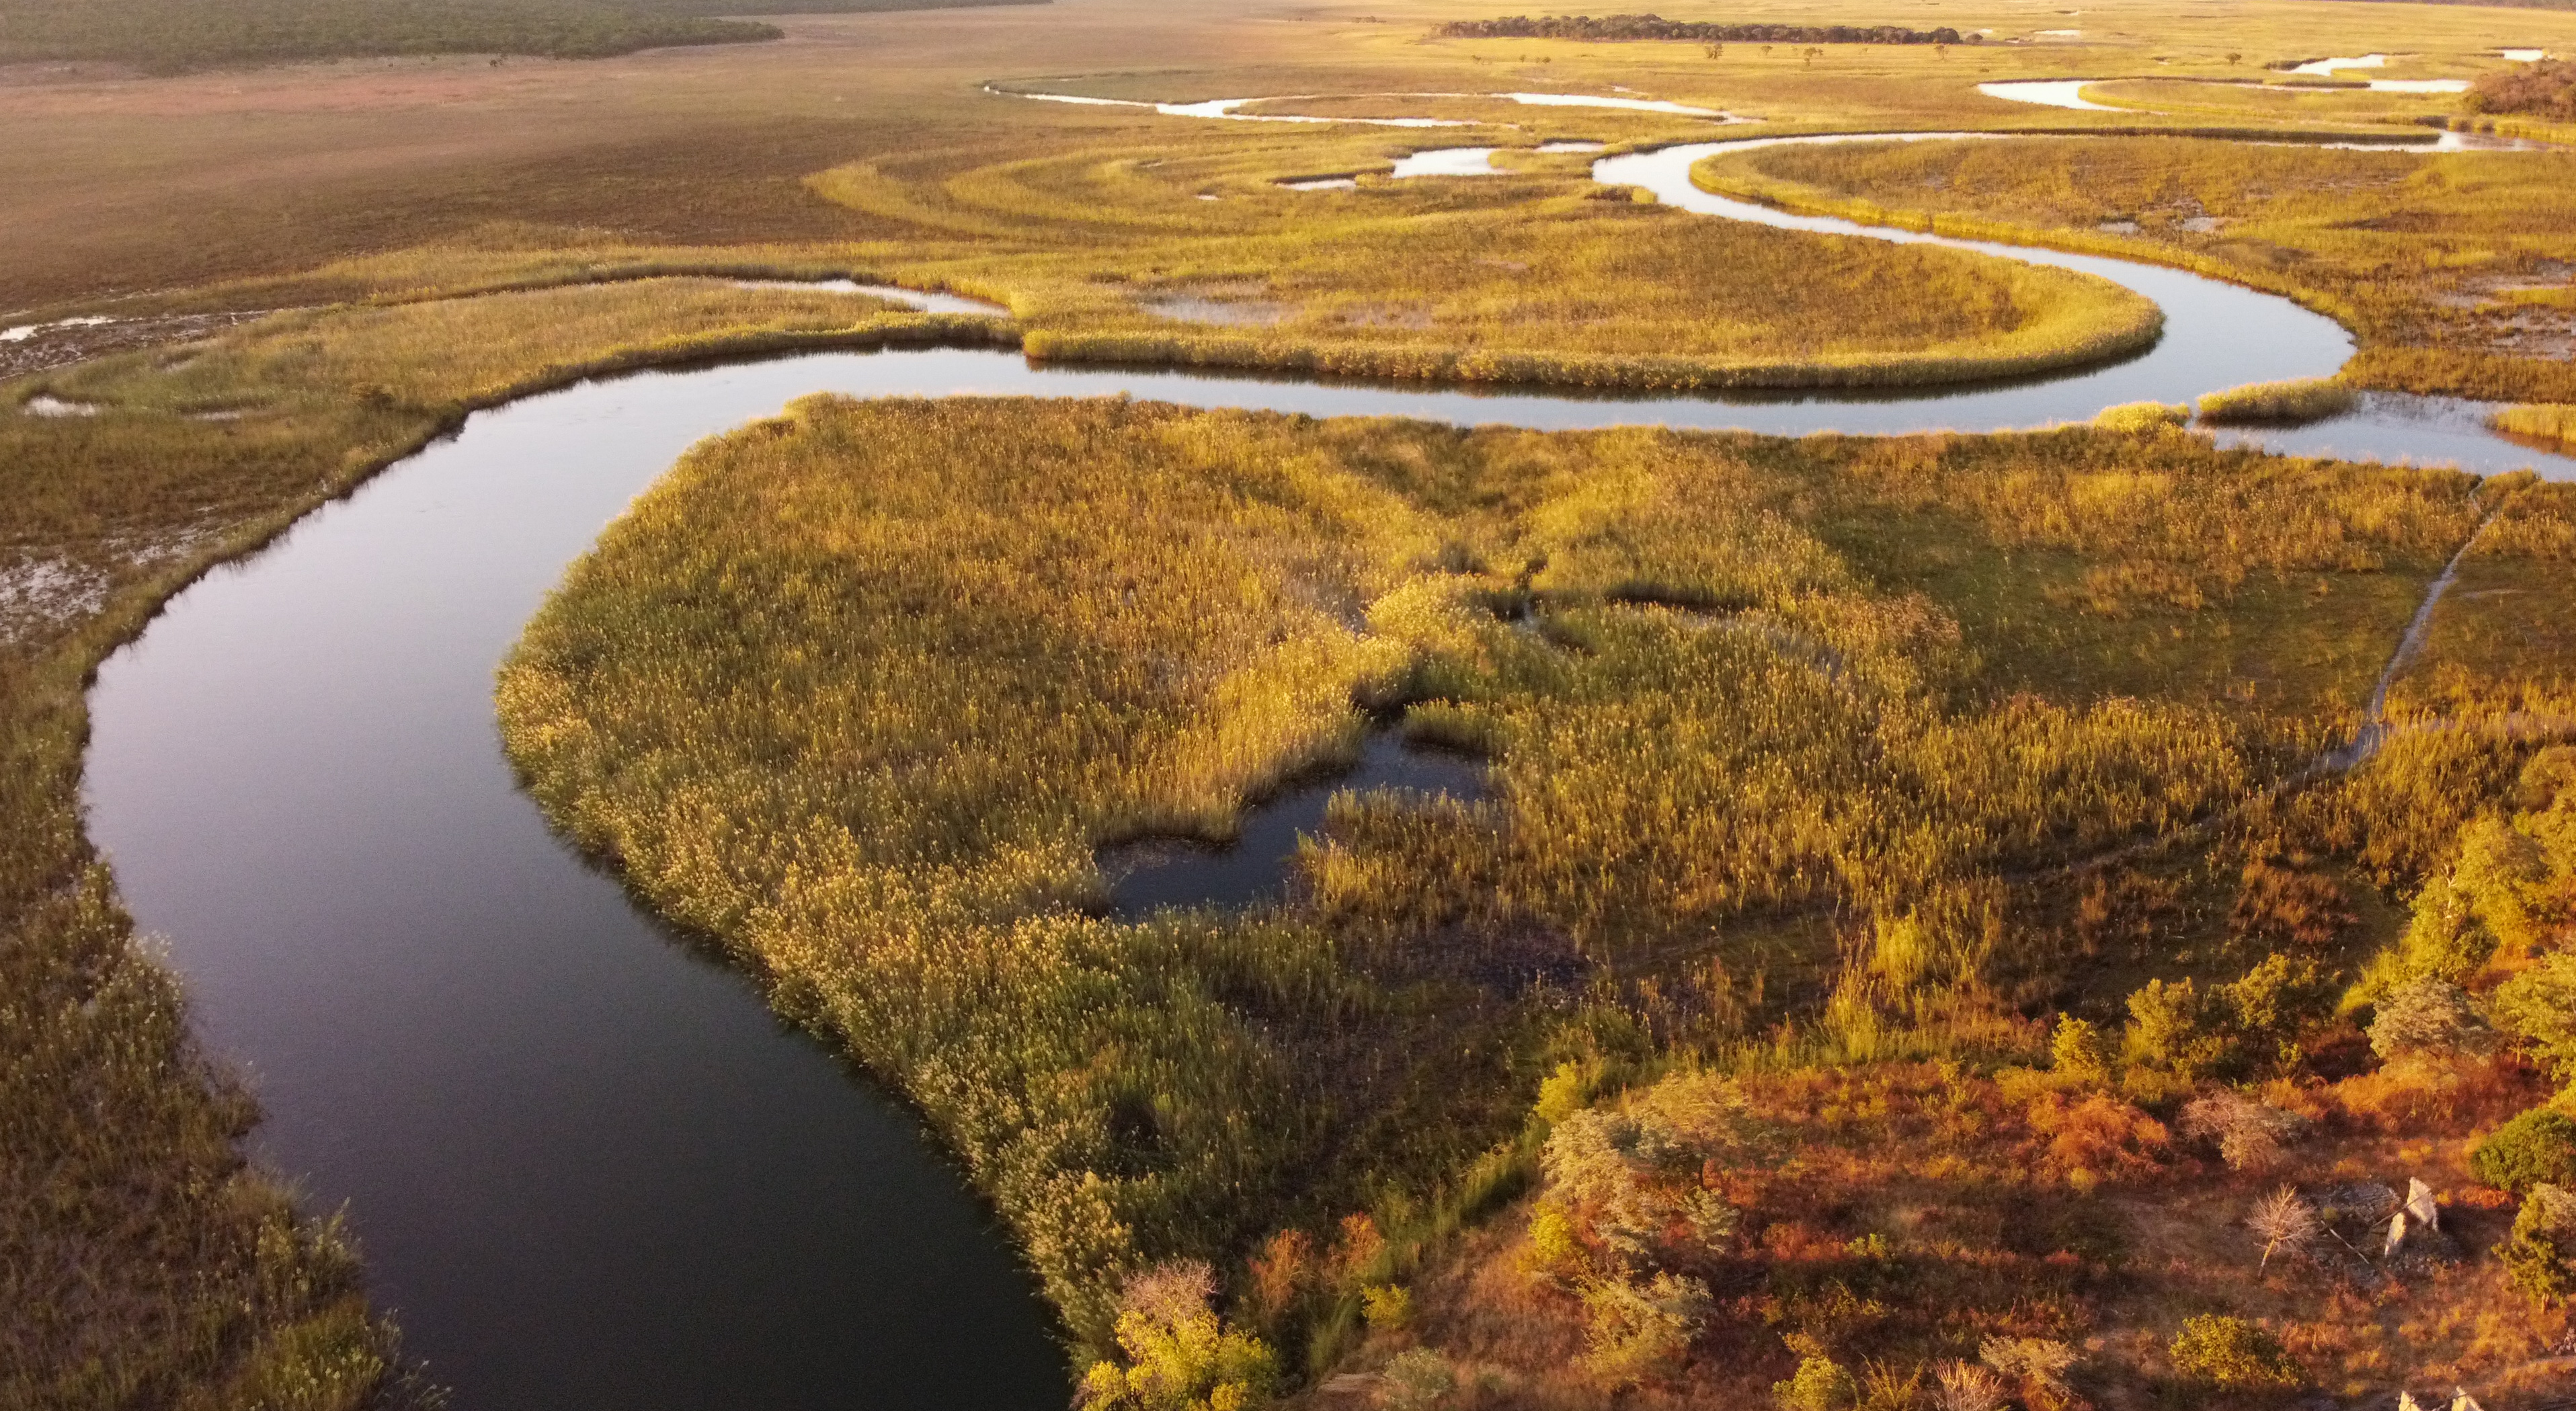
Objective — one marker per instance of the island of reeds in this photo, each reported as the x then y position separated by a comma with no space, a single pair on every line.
1906,864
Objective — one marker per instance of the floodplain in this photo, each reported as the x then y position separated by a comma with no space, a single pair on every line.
1946,920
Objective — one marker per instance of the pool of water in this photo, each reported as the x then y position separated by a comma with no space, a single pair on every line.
587,1168
1149,876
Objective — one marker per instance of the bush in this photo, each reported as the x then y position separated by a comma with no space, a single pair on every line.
2234,1354
2537,1148
1386,1306
1416,1381
2288,403
2251,1136
1820,1385
2540,1254
2080,1050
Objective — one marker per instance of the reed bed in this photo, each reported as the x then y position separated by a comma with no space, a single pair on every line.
1520,278
2441,263
859,691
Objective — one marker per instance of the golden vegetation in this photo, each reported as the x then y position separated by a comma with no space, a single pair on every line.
2292,403
2540,423
2448,266
860,691
1524,278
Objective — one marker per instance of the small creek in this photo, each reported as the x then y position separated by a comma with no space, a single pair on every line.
587,1168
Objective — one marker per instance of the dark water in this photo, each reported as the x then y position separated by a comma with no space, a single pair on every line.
1146,877
587,1169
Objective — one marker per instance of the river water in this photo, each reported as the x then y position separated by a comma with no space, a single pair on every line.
587,1169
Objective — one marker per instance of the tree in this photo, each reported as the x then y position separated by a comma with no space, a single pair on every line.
2234,1354
2180,1027
2537,1148
2285,1222
2273,1005
2427,1018
2538,1007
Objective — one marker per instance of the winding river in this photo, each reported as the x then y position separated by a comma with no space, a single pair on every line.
587,1168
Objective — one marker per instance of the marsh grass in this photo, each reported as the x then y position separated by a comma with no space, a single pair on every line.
2292,403
2419,254
1523,278
2540,423
861,690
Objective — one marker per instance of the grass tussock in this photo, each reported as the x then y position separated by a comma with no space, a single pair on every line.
2540,423
2291,403
867,722
2143,417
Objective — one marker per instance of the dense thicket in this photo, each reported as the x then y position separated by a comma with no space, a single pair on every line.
2546,89
1617,28
174,35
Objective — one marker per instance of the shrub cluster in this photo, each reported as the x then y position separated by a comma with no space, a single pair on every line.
2546,89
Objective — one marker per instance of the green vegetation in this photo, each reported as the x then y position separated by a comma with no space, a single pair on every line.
2449,267
161,36
2293,403
2232,1354
141,1261
2500,644
2541,1251
2536,1148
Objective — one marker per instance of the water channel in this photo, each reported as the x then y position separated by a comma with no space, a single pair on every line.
587,1168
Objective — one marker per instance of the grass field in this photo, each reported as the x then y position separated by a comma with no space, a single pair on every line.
2004,651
